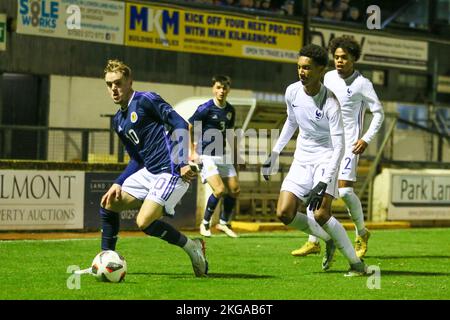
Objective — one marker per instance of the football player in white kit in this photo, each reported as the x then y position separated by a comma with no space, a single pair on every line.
312,177
355,94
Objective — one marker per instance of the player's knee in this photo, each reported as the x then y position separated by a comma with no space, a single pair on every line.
141,223
219,192
322,216
285,215
234,193
346,193
114,206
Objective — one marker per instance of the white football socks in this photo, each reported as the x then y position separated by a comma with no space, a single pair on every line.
341,239
310,214
354,209
310,226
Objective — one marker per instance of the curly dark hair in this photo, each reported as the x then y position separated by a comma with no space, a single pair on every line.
348,44
318,54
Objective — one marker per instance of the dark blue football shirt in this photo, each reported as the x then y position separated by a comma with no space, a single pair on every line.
213,117
146,128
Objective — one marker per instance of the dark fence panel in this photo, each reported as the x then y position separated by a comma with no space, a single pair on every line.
97,183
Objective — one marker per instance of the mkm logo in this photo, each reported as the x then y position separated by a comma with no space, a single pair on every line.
148,19
39,13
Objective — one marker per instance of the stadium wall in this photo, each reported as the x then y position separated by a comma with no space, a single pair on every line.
80,101
30,54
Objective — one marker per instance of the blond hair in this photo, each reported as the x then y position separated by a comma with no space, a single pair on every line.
115,65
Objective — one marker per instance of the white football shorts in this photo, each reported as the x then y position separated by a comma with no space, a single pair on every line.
349,165
302,178
213,165
163,188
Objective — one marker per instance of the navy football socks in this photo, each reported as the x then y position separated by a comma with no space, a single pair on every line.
210,207
228,206
165,231
110,228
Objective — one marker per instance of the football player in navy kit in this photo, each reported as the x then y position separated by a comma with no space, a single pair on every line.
158,173
214,117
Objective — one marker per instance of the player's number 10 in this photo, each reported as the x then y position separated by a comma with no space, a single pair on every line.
132,136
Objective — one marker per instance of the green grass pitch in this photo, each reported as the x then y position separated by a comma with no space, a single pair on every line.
414,264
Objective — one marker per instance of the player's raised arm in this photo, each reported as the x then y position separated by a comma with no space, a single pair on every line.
289,128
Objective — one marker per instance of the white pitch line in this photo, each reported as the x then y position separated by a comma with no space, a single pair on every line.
46,240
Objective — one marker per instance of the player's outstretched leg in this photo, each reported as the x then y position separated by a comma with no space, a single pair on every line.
307,225
355,211
343,243
197,252
194,248
312,246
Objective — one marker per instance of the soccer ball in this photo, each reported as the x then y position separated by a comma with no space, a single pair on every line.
109,266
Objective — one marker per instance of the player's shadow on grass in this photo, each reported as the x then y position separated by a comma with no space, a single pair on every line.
238,276
401,273
410,257
274,236
413,273
210,275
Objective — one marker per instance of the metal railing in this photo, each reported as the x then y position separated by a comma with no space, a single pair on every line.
55,143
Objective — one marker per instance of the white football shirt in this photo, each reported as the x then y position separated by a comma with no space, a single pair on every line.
355,95
321,136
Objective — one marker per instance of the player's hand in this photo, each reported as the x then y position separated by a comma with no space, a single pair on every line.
189,172
114,193
267,166
359,146
315,197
